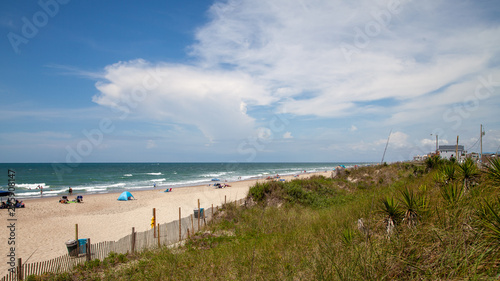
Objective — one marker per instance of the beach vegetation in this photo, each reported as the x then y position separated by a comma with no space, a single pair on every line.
337,229
493,170
468,171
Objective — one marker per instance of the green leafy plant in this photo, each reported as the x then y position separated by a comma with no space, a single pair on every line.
489,220
433,162
451,193
493,170
449,172
468,172
347,236
393,215
411,205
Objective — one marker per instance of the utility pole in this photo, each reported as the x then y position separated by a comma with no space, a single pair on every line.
436,144
481,141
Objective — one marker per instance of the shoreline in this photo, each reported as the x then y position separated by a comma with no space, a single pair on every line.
149,188
45,224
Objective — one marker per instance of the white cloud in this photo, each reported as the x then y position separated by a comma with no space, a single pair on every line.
213,101
287,135
296,45
419,62
397,140
151,144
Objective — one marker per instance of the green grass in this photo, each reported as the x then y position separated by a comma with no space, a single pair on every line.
308,230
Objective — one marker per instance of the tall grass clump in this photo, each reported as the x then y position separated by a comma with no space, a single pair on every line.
489,221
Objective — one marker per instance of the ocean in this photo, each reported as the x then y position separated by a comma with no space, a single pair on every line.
90,178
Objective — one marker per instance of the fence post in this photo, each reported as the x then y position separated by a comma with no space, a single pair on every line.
192,223
204,221
133,240
154,224
88,250
19,269
225,199
76,238
180,230
159,235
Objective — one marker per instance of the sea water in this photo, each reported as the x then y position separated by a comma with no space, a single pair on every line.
91,178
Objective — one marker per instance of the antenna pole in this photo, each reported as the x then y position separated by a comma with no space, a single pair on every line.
383,156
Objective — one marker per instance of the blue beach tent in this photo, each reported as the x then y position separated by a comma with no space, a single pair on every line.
125,196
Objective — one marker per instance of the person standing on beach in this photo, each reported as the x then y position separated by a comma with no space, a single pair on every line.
70,191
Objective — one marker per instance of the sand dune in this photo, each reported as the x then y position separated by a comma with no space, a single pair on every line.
43,227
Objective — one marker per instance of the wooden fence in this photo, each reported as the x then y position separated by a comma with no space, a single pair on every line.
162,235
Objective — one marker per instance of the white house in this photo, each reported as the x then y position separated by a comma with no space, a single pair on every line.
449,151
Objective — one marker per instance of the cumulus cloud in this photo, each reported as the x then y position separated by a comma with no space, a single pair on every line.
213,101
396,139
287,135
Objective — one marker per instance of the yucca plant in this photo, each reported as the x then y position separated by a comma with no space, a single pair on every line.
489,220
468,171
448,172
392,214
493,170
433,162
451,193
411,205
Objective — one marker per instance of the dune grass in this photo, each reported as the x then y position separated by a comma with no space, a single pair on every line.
336,229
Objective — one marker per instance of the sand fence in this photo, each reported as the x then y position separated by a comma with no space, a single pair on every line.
160,235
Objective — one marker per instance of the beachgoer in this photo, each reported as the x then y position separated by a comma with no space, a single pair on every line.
154,185
70,191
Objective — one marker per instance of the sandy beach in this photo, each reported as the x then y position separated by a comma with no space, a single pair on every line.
43,227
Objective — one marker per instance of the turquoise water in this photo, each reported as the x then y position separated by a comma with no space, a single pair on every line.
87,178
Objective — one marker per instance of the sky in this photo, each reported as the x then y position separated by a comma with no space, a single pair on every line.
246,80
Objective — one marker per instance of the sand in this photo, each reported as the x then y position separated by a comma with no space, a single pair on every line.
43,227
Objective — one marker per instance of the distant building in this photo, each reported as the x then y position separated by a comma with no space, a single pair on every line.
474,156
449,151
420,157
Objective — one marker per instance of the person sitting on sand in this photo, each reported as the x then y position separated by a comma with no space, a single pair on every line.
3,206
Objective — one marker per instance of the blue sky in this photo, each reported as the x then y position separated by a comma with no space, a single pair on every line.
246,80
